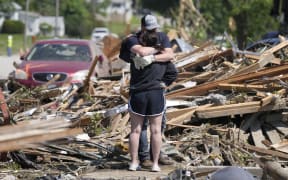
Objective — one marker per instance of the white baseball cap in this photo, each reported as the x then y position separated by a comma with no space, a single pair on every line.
150,22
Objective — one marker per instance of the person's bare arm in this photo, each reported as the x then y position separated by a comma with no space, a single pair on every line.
166,55
142,51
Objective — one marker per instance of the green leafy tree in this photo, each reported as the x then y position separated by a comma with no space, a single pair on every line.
44,7
6,6
78,20
245,19
45,28
161,6
99,7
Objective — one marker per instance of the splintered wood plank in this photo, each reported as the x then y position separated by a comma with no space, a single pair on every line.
267,100
173,113
29,138
33,124
206,59
186,75
185,116
205,76
265,58
230,65
229,110
257,134
281,146
201,48
4,108
252,56
182,125
203,89
191,61
277,47
123,123
263,151
242,87
240,108
276,61
251,68
115,122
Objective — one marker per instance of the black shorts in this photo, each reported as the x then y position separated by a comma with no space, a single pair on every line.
147,103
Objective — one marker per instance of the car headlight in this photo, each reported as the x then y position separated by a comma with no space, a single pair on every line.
20,74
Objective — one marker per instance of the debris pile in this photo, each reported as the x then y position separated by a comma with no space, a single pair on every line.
227,108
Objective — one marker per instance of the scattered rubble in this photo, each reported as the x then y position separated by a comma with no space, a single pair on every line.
227,108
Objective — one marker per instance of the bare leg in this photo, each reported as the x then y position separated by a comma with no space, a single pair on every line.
136,124
155,128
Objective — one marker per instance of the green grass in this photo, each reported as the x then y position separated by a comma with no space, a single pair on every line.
18,43
118,28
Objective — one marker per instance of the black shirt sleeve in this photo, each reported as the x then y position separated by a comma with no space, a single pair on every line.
126,45
171,74
164,40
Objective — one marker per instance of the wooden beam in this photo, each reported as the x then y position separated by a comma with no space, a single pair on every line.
240,108
203,89
6,117
207,58
263,151
228,110
281,146
194,60
243,87
185,116
26,141
277,47
173,113
263,61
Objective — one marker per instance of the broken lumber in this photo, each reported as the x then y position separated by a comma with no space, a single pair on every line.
203,89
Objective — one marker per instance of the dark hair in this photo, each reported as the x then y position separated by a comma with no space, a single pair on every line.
143,19
150,39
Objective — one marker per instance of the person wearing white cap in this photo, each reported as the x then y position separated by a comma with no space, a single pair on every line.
149,23
146,92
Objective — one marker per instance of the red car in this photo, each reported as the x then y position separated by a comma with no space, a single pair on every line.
70,58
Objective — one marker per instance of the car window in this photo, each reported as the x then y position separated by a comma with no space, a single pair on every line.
100,31
58,52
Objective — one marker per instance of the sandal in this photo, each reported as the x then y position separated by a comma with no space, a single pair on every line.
155,169
134,167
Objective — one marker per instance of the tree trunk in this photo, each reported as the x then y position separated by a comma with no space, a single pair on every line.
241,23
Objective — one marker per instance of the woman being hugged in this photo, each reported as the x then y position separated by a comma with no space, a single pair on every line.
146,87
